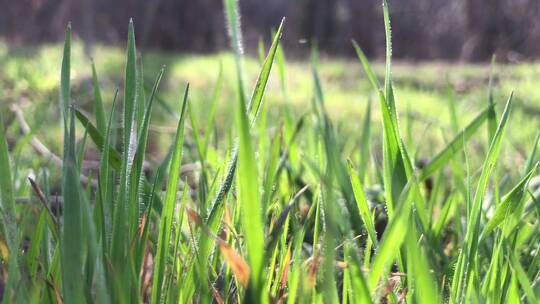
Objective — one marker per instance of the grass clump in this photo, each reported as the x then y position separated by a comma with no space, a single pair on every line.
279,208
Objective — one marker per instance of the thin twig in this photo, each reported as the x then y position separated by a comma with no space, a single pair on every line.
41,148
42,199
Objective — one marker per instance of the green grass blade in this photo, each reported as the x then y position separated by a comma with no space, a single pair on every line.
466,259
213,107
271,165
326,131
98,103
367,68
281,223
140,98
492,115
123,211
253,108
145,229
72,255
455,146
129,91
256,100
104,203
115,158
359,285
521,275
65,78
394,170
529,164
393,237
72,234
169,207
235,33
421,283
452,107
250,204
388,90
364,143
36,241
136,172
9,222
509,204
362,203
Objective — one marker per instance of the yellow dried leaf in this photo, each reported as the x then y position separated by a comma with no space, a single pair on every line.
238,265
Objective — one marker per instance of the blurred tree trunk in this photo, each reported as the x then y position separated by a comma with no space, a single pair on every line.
150,10
319,22
471,30
363,16
485,22
88,26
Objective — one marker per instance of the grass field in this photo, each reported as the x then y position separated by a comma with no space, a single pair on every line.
266,180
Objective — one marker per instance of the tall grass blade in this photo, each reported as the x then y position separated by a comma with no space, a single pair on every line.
9,222
72,232
167,215
364,143
121,221
253,108
362,203
465,263
98,103
509,204
392,239
521,275
455,146
250,203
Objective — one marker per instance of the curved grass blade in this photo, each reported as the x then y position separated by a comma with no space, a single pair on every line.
278,227
115,158
455,146
362,203
394,173
331,149
393,237
509,204
529,164
256,99
521,275
466,258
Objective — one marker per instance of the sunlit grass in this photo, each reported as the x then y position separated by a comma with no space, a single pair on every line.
224,178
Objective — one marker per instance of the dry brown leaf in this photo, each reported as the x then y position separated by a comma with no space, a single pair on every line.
216,296
141,225
238,265
313,266
193,216
284,276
